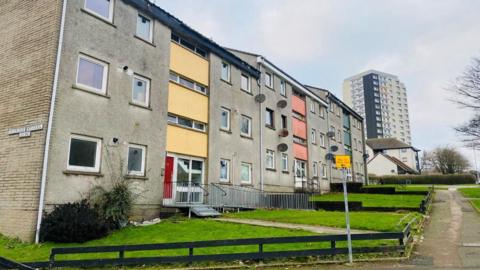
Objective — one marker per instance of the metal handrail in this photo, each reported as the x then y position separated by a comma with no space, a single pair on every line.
221,189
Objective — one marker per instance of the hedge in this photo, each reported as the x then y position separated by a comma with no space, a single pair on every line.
442,179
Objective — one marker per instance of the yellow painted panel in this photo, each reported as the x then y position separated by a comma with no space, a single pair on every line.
188,103
187,142
188,64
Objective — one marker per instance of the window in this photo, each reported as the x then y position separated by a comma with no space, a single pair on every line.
184,122
225,72
269,80
246,126
246,173
322,140
188,45
404,159
321,111
84,154
312,107
283,88
332,129
224,170
270,159
92,74
136,160
314,136
245,83
225,119
269,120
284,162
315,168
324,170
299,140
339,135
284,122
188,83
144,28
102,8
140,90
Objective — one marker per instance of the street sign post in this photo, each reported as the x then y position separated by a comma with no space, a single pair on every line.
343,162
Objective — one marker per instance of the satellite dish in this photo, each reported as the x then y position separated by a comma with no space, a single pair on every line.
282,147
333,148
331,134
260,98
329,156
282,103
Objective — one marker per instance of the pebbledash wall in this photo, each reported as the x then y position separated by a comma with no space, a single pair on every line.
28,46
203,119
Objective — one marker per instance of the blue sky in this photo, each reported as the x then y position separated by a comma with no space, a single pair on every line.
426,43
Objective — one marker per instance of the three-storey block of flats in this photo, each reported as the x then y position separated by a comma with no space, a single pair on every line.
120,90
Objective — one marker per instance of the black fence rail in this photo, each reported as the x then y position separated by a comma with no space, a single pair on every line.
260,254
8,264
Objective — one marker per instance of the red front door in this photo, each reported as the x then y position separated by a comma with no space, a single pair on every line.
167,182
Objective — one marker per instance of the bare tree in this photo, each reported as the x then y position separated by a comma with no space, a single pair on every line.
448,160
467,90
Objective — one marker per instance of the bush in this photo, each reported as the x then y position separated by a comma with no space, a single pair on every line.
354,187
72,223
115,205
443,179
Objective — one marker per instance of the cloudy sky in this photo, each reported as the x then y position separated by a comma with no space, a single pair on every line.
426,43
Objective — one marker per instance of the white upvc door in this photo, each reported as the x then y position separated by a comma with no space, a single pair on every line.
300,173
188,179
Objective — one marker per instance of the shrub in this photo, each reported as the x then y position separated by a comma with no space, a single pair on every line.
115,205
72,223
443,179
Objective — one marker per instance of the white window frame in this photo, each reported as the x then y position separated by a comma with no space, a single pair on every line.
315,169
324,170
176,122
313,136
150,34
249,134
283,88
284,162
271,80
249,165
270,154
322,139
103,90
312,107
110,11
248,89
98,154
144,155
147,90
229,72
227,161
223,109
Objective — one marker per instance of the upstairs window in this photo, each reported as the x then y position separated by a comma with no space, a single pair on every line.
270,159
269,80
184,122
140,90
188,83
225,72
188,45
283,88
101,8
92,74
144,28
314,136
269,118
245,83
246,126
225,119
284,122
284,162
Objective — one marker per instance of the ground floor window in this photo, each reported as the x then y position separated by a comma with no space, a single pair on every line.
84,154
224,170
246,173
270,159
136,160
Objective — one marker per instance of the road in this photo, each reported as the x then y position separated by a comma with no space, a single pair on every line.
451,239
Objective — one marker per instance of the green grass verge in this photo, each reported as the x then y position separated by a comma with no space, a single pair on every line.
476,205
470,192
375,200
374,221
171,231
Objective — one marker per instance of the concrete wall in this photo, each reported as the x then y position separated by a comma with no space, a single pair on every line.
230,145
112,115
28,46
380,165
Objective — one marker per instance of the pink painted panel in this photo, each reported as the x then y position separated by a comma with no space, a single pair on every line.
300,151
298,105
299,128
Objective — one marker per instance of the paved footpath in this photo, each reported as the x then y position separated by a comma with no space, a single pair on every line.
451,239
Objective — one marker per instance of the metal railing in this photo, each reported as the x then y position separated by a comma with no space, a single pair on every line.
9,264
230,196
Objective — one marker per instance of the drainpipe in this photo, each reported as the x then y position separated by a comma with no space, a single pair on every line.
329,143
49,125
259,82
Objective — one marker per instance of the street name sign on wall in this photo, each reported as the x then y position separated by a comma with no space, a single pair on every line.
342,162
26,131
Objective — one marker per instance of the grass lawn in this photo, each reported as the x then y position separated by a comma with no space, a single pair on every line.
375,221
171,231
470,192
375,200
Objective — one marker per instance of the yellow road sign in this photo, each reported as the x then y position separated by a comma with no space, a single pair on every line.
342,162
